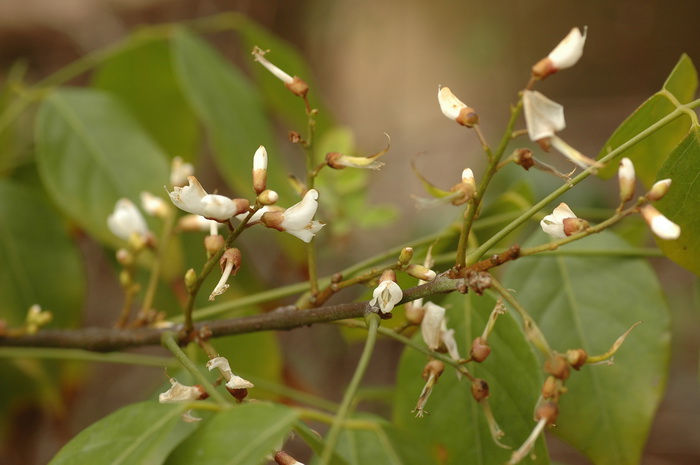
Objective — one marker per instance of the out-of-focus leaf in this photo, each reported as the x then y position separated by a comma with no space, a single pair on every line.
455,429
139,433
288,58
40,264
682,203
588,302
650,153
380,444
243,435
232,112
516,199
144,80
90,153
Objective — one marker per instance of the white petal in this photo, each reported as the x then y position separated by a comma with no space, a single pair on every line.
126,220
431,325
569,51
554,224
179,393
386,295
543,116
218,207
307,233
260,159
256,216
189,198
450,105
626,170
236,382
299,216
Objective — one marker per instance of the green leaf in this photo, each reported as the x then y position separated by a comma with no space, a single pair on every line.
231,110
143,79
90,153
456,429
243,435
40,264
650,153
143,433
682,203
588,302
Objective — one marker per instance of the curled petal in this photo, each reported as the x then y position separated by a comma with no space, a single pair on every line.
543,116
554,224
386,295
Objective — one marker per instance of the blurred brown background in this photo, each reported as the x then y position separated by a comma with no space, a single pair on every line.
379,64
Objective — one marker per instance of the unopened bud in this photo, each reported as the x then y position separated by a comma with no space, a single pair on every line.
480,349
547,411
550,388
124,257
433,368
455,109
627,180
574,225
576,358
238,394
282,458
213,243
260,170
125,278
388,275
659,190
420,272
294,137
557,366
480,389
564,55
524,158
406,255
659,224
190,279
268,197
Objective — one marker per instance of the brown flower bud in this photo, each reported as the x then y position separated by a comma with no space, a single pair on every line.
282,458
550,388
480,349
434,368
294,137
297,86
574,225
213,243
576,358
239,394
548,411
414,313
480,389
557,366
524,158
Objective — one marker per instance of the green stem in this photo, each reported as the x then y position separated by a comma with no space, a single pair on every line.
532,331
169,341
476,255
372,320
475,203
87,356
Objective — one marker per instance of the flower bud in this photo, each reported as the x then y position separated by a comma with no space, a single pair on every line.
659,190
433,368
268,197
153,205
294,137
565,55
576,358
260,170
420,272
455,109
282,458
480,389
574,225
659,224
524,158
627,180
124,257
550,388
414,313
213,243
190,279
480,349
548,411
406,255
557,366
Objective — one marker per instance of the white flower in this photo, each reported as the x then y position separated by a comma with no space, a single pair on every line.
431,326
544,118
153,205
180,171
127,220
297,219
233,381
565,55
455,109
554,224
180,393
194,199
387,293
659,224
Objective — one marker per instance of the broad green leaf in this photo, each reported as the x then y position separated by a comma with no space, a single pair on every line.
142,77
456,429
243,435
90,153
40,264
650,153
285,56
142,433
682,203
588,302
232,112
